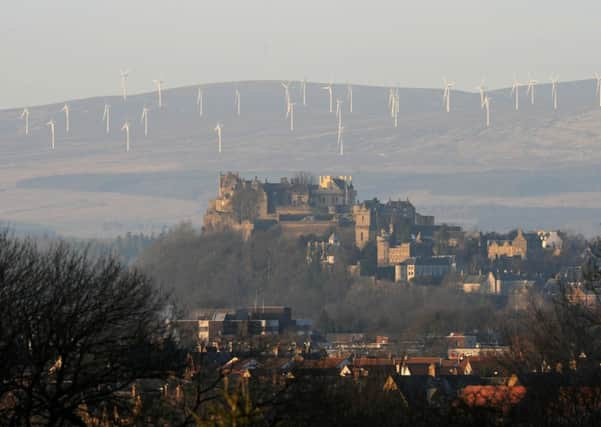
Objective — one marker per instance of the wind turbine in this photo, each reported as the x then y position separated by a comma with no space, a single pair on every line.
482,90
65,109
304,91
106,117
339,113
486,105
391,100
159,85
144,119
349,97
25,115
52,125
331,95
124,76
237,102
338,107
341,140
218,129
200,102
515,91
446,97
291,114
554,83
395,109
530,91
598,78
286,86
125,128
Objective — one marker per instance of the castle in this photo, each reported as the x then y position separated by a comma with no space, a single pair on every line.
403,238
299,205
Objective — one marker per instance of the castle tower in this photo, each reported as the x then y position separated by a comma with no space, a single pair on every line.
383,249
363,225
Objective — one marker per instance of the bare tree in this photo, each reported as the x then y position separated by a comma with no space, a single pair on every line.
73,333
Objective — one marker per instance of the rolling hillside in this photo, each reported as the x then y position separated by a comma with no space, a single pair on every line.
536,167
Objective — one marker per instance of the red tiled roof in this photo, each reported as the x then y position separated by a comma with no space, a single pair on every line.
328,363
424,360
370,361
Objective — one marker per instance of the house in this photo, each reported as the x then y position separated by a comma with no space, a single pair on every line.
551,240
328,367
375,367
422,365
459,340
424,391
518,247
428,267
389,254
480,283
212,325
323,251
456,367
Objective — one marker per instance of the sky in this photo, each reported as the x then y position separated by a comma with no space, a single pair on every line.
65,49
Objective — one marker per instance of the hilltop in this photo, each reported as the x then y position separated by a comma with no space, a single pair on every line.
537,165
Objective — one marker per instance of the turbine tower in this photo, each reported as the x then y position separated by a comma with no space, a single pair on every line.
144,119
598,78
339,128
286,86
291,114
25,115
349,97
515,91
341,140
339,113
338,107
218,130
304,91
124,76
125,128
237,102
486,105
200,102
159,86
395,108
52,125
391,100
482,90
393,95
554,83
65,109
446,96
530,91
106,117
331,95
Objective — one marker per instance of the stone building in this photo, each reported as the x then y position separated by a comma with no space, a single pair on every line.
427,267
299,205
389,254
481,283
324,252
365,227
398,217
518,247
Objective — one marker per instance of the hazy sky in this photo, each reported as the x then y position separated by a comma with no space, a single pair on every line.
54,50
